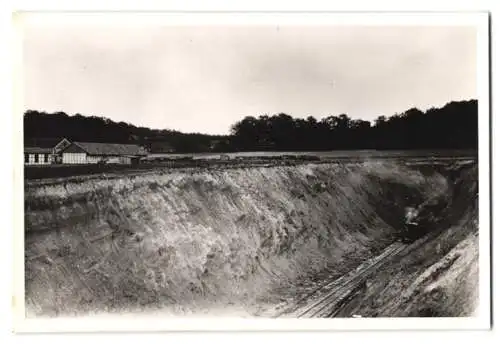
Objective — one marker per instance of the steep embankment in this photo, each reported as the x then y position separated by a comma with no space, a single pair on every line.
436,275
186,240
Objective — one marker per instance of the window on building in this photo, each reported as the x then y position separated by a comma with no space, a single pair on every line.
36,157
46,158
26,158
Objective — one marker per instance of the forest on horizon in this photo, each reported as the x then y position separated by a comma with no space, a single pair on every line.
453,126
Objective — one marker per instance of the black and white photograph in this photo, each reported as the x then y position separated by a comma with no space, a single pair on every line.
253,167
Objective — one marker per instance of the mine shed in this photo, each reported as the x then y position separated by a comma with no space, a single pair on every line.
95,152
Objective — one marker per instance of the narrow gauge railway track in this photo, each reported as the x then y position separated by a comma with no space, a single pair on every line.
332,294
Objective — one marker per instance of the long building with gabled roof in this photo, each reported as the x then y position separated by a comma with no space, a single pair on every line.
95,152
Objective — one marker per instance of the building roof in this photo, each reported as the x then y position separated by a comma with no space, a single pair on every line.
97,148
37,150
61,145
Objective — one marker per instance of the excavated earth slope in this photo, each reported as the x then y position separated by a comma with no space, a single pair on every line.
268,241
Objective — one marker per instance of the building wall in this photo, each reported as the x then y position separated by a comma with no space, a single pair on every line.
37,159
74,158
110,159
84,158
94,159
125,160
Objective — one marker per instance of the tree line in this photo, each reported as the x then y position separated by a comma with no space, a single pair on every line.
43,129
453,126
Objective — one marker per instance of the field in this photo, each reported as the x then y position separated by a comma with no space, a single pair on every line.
330,154
240,159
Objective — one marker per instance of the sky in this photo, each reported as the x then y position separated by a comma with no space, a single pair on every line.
206,78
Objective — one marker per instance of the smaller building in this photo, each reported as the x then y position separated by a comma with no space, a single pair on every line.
37,156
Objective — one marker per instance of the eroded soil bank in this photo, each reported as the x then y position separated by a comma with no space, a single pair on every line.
195,241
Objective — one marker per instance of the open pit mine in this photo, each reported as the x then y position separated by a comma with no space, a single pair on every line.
374,238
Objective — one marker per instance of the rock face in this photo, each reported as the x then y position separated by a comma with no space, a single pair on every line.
191,239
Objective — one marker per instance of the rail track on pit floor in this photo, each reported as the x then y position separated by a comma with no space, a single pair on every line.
328,297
